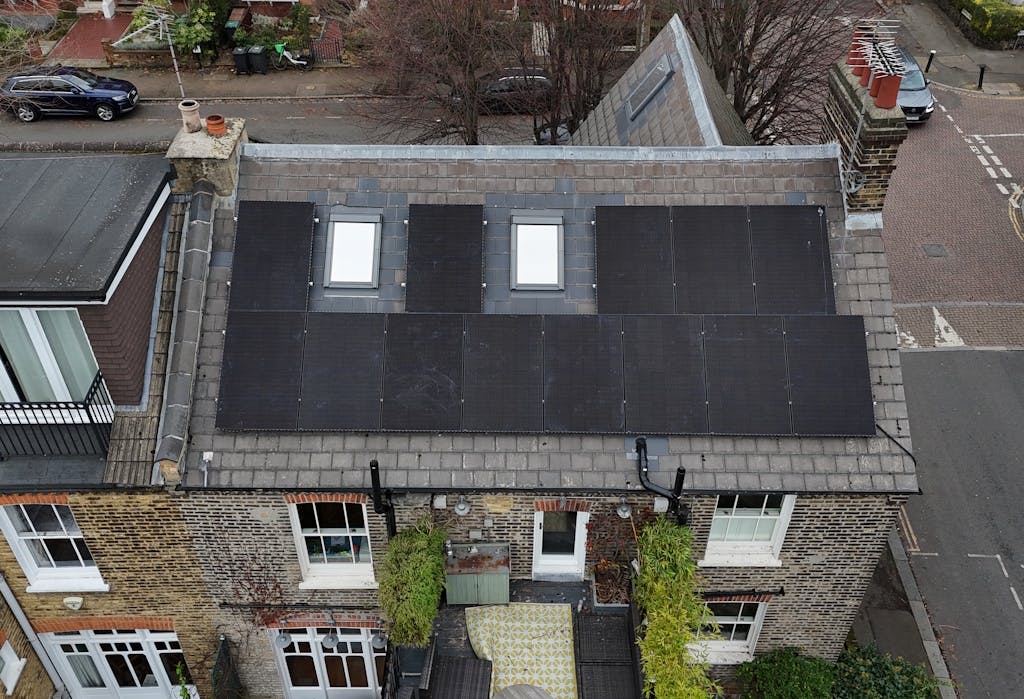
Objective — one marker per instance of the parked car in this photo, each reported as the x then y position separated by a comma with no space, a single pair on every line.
915,99
66,90
515,91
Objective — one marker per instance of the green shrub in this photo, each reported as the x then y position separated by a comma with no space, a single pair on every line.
786,674
411,580
994,20
667,590
864,673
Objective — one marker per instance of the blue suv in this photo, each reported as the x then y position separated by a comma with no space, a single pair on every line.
66,90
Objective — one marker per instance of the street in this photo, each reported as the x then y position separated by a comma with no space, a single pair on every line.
350,120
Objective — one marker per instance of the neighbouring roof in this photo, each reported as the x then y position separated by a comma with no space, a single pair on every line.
495,182
67,222
668,97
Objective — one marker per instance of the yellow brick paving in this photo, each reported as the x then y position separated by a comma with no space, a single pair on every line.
528,644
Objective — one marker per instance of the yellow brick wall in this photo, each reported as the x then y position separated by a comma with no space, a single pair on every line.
144,553
34,683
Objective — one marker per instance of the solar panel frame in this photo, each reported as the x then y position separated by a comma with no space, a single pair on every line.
829,377
261,370
634,259
791,260
503,389
423,372
663,373
747,380
583,374
712,260
342,372
270,267
445,259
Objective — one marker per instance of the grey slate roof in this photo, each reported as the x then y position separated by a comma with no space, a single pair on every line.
689,109
67,222
543,177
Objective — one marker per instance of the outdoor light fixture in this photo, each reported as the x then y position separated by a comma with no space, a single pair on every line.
283,639
462,506
379,641
330,641
623,510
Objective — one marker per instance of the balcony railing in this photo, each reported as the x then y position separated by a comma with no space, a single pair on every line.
59,428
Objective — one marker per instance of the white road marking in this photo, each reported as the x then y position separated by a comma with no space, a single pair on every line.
949,117
998,135
982,160
153,119
1002,189
1006,173
945,335
991,171
958,129
295,117
942,108
1016,599
996,161
335,117
987,149
996,556
979,139
922,553
974,149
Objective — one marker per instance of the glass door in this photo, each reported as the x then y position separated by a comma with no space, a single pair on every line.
559,545
350,669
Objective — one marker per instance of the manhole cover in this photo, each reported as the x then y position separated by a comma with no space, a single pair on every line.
935,250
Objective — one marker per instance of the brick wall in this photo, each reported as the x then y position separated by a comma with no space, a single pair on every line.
34,683
119,330
144,552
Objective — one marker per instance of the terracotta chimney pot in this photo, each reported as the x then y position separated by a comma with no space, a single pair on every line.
215,125
888,91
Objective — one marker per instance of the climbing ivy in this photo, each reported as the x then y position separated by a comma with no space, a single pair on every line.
411,580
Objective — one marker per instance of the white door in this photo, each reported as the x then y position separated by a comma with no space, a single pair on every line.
559,545
108,664
350,670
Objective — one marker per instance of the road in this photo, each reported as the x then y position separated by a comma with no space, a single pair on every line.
302,121
966,549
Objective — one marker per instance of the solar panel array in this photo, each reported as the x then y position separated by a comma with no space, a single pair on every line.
713,259
766,355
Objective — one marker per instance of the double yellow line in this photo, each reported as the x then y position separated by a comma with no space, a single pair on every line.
908,531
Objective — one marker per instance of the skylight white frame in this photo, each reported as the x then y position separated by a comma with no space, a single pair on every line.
538,219
665,66
334,236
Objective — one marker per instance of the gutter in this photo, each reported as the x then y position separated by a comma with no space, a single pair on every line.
60,691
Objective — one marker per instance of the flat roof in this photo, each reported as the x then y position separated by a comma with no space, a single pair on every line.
67,221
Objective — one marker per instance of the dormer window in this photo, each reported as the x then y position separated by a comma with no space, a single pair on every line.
537,251
353,250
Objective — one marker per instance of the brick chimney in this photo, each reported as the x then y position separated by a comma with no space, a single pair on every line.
861,115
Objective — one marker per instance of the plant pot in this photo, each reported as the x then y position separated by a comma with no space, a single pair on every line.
606,605
215,125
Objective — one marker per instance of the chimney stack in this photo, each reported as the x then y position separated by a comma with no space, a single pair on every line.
862,116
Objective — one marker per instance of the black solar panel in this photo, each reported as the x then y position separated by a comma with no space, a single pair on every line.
583,383
270,266
664,374
423,372
260,374
445,272
504,384
342,370
746,375
712,259
634,260
791,260
829,376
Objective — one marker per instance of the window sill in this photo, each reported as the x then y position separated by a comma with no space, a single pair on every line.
721,657
338,583
11,675
739,560
70,585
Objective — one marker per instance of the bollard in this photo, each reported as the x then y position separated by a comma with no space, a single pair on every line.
931,57
981,74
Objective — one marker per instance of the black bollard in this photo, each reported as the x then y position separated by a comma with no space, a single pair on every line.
931,57
981,74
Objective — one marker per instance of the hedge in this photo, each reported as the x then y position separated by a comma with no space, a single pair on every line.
994,22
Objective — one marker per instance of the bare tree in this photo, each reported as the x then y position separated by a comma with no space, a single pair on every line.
579,44
434,52
771,57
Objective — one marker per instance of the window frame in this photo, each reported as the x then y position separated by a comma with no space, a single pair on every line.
721,652
84,578
313,637
741,554
57,382
343,217
537,218
12,667
332,576
648,87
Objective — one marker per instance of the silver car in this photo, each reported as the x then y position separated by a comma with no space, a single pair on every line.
915,99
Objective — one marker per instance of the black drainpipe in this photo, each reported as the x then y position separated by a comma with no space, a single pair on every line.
382,499
675,503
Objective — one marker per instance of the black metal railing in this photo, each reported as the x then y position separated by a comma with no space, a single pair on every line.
223,675
59,428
